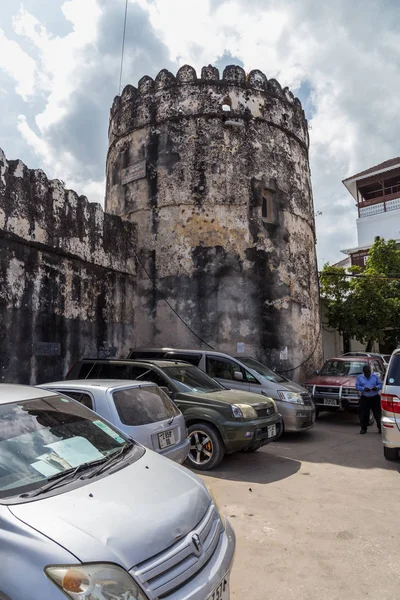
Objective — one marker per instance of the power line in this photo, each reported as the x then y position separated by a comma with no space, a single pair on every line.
123,47
360,276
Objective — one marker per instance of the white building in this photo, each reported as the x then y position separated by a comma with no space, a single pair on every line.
376,192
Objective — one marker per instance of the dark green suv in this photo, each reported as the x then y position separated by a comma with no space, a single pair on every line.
219,421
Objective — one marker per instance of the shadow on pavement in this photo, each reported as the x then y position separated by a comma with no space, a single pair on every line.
255,468
335,439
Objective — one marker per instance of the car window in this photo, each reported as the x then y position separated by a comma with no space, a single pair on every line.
86,370
114,371
81,397
145,374
191,379
393,374
140,406
43,437
343,368
225,369
375,366
262,369
194,359
222,368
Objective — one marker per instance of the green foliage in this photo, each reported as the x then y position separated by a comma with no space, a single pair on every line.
366,307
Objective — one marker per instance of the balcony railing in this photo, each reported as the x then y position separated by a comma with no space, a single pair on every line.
380,207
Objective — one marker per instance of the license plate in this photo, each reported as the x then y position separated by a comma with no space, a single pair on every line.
271,430
221,592
166,439
330,402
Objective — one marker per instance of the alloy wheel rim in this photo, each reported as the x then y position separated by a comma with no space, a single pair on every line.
201,448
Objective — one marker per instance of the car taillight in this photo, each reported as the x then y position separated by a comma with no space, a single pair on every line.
390,403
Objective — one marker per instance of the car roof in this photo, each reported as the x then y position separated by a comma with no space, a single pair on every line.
95,384
167,349
161,362
10,392
360,358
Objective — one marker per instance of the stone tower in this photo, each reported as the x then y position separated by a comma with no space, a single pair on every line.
215,174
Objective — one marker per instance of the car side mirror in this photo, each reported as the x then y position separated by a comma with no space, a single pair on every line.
166,391
315,372
238,376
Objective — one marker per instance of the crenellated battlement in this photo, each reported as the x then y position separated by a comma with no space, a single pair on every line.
172,97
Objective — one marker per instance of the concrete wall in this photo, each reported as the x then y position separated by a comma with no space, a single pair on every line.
67,277
193,178
385,225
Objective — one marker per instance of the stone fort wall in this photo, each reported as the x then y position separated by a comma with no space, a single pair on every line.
214,173
67,277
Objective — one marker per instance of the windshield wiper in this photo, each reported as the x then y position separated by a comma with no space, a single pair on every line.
110,459
57,478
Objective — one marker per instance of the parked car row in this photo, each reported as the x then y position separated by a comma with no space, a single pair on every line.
219,421
84,480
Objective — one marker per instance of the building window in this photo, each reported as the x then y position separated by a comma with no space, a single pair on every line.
268,208
264,208
226,105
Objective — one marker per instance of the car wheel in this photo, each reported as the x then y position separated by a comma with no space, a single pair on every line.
317,413
371,419
390,453
206,447
251,449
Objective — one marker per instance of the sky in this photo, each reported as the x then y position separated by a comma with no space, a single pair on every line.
60,68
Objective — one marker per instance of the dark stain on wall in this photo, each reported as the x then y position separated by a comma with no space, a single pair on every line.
66,270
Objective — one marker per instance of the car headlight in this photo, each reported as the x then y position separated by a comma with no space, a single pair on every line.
293,397
95,582
243,411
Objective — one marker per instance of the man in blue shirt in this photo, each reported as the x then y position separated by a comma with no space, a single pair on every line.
369,386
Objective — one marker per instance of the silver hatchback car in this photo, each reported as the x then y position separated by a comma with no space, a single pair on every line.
142,410
88,514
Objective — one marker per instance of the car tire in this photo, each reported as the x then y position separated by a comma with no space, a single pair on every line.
371,419
317,413
391,453
251,449
206,447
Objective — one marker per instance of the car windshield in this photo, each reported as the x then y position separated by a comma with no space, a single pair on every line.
342,368
140,406
192,380
261,369
44,437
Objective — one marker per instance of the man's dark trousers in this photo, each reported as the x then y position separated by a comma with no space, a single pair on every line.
366,405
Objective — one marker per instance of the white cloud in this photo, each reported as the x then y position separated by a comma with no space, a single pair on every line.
60,56
19,65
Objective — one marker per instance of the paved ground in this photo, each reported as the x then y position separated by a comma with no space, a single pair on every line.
317,516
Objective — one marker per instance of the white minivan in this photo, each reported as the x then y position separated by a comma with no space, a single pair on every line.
86,513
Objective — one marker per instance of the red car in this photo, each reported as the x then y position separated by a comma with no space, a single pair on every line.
334,386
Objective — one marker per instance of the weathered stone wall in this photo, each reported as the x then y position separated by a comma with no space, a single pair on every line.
215,174
67,277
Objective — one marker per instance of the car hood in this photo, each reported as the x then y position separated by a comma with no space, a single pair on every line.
232,397
332,380
125,517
